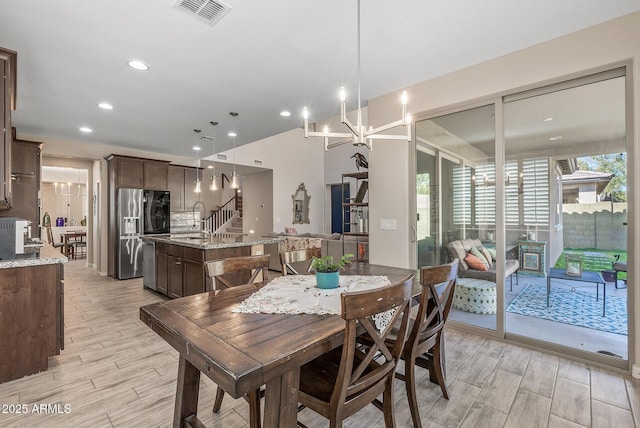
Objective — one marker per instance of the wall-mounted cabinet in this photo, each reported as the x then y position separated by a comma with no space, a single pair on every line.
25,177
176,187
155,175
136,173
7,103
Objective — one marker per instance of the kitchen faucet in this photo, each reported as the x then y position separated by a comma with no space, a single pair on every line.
199,220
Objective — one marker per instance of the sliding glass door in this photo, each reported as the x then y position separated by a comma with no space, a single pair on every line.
456,206
529,193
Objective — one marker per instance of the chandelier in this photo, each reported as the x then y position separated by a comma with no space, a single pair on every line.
359,135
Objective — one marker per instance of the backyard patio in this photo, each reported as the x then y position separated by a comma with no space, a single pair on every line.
574,317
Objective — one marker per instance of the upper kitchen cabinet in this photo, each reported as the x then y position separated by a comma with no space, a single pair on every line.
126,172
137,173
155,175
7,103
25,181
176,187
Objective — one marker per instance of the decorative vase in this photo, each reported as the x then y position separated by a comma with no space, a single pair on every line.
46,220
328,279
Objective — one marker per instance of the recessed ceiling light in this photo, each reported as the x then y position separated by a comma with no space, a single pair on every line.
232,134
138,65
85,129
558,137
210,167
547,119
285,113
196,148
105,105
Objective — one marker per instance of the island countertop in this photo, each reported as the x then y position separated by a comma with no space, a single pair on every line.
46,256
209,242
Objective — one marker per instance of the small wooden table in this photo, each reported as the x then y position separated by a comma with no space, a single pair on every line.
70,237
594,277
241,352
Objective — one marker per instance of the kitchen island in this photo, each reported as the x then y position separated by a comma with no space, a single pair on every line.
31,312
180,268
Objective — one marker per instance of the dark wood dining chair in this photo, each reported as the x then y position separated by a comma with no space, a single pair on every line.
79,245
341,382
232,272
425,343
287,258
55,244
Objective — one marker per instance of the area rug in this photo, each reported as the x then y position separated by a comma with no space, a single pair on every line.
572,307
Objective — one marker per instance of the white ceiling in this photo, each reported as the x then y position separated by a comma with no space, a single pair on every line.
261,58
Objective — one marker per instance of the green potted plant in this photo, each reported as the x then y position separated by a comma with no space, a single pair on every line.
328,271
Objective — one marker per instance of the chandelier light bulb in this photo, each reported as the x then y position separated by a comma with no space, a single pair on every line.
305,113
214,183
235,184
343,94
404,97
325,129
198,187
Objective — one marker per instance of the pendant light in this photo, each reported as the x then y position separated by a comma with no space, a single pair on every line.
214,179
197,185
235,181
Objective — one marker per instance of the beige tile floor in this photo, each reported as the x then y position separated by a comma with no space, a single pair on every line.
115,372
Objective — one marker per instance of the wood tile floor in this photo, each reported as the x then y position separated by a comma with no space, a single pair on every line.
115,372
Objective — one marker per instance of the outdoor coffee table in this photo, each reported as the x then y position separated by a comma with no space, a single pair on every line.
594,277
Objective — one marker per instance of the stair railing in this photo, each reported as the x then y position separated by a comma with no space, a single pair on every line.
223,215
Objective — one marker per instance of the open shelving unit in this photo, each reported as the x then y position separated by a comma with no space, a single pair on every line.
355,213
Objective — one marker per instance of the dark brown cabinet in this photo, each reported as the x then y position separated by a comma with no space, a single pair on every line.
25,174
156,175
176,187
129,173
7,103
181,271
162,260
32,321
190,197
175,274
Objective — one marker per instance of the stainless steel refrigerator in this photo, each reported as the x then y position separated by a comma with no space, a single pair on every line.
129,250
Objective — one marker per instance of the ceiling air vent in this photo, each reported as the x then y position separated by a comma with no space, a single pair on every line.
221,157
207,11
257,162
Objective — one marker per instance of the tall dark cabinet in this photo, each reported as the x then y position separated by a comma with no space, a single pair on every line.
26,159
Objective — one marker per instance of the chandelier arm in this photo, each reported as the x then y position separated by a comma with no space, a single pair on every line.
331,134
387,137
352,128
339,143
382,128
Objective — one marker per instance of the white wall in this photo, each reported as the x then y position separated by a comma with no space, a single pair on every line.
293,160
596,48
257,204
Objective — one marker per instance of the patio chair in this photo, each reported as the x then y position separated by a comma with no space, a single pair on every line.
619,266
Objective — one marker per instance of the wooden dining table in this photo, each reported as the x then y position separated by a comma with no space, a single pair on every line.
69,238
241,352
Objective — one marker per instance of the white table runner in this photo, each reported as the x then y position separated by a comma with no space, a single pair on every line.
298,294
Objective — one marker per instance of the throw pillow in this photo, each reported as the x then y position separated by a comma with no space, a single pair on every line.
290,231
476,252
487,255
475,263
493,253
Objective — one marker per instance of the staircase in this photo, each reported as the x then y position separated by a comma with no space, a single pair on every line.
227,219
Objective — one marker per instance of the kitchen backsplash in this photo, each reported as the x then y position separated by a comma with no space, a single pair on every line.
184,221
